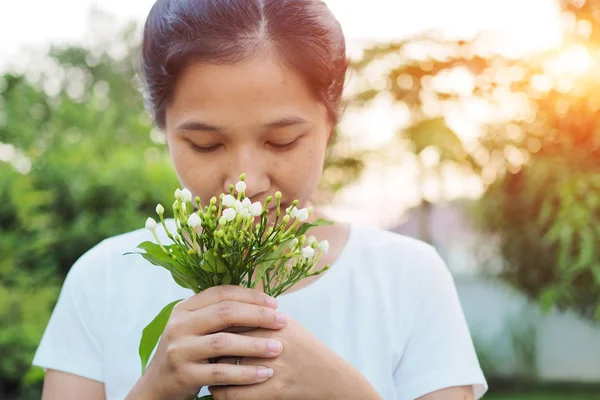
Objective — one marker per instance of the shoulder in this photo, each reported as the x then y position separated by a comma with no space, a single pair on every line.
107,258
394,251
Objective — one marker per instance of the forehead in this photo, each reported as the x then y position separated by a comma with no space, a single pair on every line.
260,88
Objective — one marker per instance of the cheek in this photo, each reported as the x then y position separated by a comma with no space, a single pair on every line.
193,172
301,171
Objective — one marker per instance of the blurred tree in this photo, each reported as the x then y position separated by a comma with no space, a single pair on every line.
79,162
539,150
546,207
412,69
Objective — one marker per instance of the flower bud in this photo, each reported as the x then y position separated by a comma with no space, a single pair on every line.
178,194
228,200
311,239
229,214
194,220
240,187
302,215
308,252
246,203
294,242
324,246
213,201
222,220
186,195
160,210
278,195
256,209
286,219
150,224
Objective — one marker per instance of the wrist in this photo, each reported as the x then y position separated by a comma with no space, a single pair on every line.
146,389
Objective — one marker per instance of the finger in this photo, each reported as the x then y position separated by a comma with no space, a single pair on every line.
225,374
223,344
219,294
227,314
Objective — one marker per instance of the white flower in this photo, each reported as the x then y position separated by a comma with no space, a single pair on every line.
302,215
256,209
240,186
150,224
294,243
160,210
222,220
308,252
311,239
309,210
186,195
324,246
228,200
245,213
178,194
246,202
229,214
294,212
194,220
238,206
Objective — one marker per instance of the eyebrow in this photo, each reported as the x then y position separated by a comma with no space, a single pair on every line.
193,125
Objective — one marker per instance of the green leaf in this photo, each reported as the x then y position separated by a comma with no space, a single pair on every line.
226,279
272,258
213,262
152,333
565,247
156,256
307,225
587,248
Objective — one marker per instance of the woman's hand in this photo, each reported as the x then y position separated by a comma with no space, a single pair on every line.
307,369
193,335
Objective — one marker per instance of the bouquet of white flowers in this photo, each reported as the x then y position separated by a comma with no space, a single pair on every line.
230,242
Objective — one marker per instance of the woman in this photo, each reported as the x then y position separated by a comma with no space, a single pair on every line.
254,87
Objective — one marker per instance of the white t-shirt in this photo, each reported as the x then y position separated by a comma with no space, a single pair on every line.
388,306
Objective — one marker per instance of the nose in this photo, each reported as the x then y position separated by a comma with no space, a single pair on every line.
253,166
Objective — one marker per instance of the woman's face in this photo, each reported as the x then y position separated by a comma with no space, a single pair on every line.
256,117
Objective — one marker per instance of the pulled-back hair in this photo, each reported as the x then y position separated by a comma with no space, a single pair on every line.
304,33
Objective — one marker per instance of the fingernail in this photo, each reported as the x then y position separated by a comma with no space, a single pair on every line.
274,346
272,302
280,317
263,373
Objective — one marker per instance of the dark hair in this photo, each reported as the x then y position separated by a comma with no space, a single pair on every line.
304,33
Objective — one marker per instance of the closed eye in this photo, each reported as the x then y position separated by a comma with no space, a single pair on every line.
204,149
284,146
